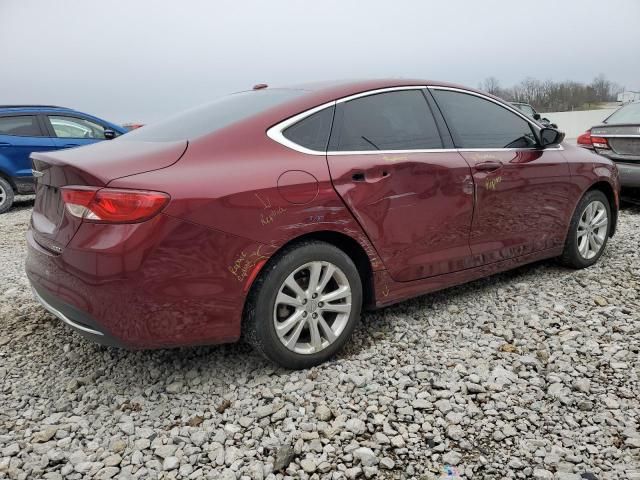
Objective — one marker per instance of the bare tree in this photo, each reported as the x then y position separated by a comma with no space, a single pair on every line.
550,96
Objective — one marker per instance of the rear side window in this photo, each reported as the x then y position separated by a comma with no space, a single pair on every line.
312,132
479,123
23,126
399,120
213,116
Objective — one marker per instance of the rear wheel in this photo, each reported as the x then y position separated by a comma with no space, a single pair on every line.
588,232
304,306
6,195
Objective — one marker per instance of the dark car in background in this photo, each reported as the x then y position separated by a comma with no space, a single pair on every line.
618,138
529,111
25,129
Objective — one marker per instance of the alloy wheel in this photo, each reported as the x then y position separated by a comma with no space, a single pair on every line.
312,307
592,229
3,195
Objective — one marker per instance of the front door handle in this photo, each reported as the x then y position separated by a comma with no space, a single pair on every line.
5,144
489,166
370,176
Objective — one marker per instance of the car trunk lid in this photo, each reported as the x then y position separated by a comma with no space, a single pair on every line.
624,140
95,165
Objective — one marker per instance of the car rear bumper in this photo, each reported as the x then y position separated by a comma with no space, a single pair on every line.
629,174
80,321
24,185
161,283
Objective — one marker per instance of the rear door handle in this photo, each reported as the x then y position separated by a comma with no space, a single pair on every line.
488,166
69,145
5,144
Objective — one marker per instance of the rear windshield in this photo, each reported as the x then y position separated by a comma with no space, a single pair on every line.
213,116
628,114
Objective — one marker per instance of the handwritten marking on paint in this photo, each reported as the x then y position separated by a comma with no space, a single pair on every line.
492,183
242,265
272,214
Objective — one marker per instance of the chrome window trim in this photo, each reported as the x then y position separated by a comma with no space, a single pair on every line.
275,132
615,135
493,100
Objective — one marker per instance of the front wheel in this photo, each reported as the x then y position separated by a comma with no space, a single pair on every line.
304,305
588,232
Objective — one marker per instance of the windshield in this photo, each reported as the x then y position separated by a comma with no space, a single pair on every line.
629,113
218,114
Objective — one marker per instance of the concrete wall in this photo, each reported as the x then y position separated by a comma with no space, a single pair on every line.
576,123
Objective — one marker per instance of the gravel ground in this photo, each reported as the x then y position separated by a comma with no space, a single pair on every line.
528,374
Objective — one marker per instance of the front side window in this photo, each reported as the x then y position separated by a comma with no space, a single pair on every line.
398,120
479,123
73,127
22,126
313,131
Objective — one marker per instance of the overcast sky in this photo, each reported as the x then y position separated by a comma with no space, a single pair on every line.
140,60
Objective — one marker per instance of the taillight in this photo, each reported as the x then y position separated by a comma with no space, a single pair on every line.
112,205
585,139
599,142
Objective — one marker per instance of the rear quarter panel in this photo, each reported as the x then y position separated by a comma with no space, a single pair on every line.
587,168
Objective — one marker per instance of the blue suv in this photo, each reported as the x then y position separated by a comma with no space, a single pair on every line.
36,128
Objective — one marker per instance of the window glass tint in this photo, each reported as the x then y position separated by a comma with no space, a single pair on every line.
628,114
213,116
74,127
23,126
312,132
479,123
398,120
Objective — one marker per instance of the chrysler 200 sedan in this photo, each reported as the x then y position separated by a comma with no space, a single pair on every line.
279,214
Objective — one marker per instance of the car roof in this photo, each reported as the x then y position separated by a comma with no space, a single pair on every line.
34,108
318,93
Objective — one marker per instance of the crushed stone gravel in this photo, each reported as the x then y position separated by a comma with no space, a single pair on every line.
532,373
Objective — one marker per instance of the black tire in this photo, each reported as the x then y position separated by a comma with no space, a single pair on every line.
258,324
6,195
571,256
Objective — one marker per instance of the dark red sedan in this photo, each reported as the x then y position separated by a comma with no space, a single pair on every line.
277,214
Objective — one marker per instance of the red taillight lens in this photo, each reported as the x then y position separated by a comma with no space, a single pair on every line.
599,142
585,139
112,205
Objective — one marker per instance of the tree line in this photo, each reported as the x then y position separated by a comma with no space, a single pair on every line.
550,96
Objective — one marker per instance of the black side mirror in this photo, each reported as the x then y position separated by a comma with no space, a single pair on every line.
553,125
109,134
536,116
550,137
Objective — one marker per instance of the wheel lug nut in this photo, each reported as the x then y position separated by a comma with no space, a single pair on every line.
304,302
314,295
320,304
315,315
304,314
